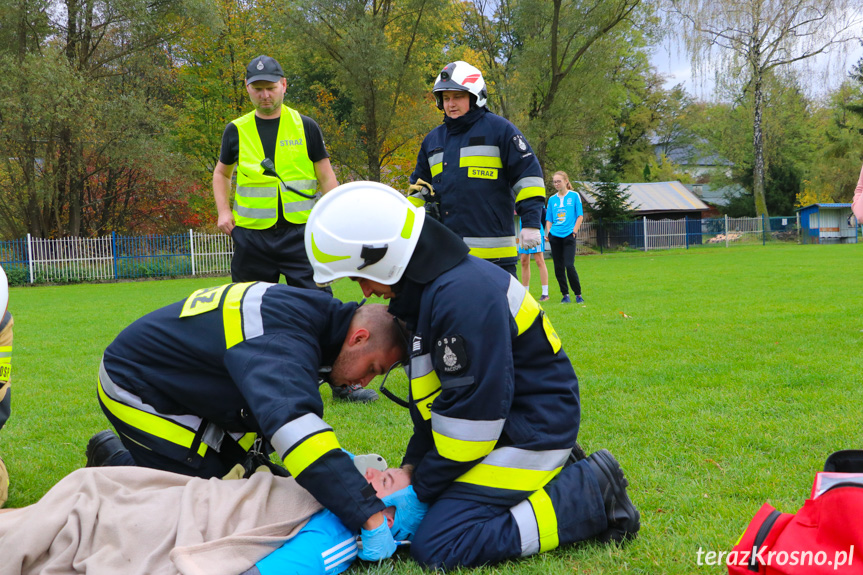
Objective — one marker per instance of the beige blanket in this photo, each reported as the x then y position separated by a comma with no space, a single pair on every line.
137,521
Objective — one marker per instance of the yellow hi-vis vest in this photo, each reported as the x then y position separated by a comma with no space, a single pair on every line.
256,201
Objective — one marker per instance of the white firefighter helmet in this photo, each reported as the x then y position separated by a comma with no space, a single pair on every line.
4,292
362,230
460,76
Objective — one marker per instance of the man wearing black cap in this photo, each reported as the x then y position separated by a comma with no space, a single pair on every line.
267,221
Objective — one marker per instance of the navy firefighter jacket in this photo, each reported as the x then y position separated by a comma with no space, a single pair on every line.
482,170
245,357
493,397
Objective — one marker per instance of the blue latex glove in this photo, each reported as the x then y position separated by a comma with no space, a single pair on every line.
409,512
377,544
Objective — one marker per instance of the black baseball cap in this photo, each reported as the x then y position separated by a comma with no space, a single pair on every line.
264,68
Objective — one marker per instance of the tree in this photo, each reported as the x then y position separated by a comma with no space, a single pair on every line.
210,62
611,199
555,61
381,55
790,151
756,37
99,102
839,152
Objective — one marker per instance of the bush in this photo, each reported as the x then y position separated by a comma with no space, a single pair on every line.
16,274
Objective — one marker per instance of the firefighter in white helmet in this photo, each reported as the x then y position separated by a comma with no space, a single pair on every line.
5,372
493,397
477,169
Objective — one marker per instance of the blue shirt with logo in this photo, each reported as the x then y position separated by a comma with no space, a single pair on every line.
562,213
324,546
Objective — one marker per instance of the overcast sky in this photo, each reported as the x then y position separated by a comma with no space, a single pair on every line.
827,72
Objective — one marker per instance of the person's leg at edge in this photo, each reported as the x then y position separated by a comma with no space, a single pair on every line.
525,270
569,258
543,273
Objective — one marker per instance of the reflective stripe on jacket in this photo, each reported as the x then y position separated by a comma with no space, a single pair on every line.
256,201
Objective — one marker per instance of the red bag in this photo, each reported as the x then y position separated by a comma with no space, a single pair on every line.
825,536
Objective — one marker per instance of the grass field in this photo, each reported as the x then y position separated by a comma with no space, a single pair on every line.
719,378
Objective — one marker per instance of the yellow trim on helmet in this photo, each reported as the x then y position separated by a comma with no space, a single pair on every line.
324,257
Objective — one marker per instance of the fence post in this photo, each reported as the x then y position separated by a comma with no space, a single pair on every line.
192,249
799,235
726,230
644,223
600,233
30,258
686,231
763,229
114,253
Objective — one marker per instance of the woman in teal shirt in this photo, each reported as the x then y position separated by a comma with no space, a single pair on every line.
563,219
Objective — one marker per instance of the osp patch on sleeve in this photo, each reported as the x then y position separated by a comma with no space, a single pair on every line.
450,355
520,143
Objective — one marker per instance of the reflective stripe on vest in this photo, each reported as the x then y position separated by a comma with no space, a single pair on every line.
256,200
492,248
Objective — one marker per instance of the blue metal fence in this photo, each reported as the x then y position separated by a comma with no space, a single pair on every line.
36,260
152,256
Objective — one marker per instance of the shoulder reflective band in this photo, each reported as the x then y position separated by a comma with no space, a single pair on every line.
242,315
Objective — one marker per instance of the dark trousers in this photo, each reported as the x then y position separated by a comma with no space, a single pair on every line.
264,255
464,533
210,465
563,255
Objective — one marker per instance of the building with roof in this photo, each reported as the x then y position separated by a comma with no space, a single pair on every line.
652,201
827,224
702,166
656,200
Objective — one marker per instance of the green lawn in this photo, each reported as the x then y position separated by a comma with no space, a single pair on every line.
720,379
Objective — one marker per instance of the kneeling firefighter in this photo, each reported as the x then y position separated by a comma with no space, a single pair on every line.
493,397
